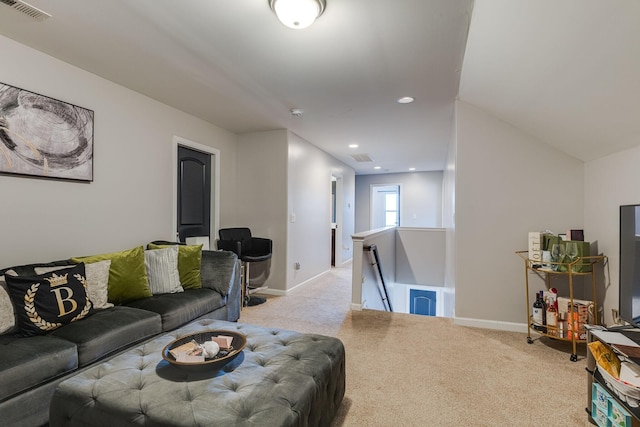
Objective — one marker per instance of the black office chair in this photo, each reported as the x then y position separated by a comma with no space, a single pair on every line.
249,250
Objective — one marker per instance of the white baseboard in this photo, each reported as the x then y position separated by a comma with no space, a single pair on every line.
356,307
274,292
281,293
491,324
301,284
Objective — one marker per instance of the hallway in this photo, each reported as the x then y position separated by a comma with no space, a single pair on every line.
319,306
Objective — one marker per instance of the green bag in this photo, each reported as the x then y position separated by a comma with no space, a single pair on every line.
583,249
548,240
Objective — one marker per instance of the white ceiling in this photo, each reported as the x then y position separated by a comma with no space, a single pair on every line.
566,72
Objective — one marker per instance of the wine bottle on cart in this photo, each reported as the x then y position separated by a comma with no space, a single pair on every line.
544,312
538,313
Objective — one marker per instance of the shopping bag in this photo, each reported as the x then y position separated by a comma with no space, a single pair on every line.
582,249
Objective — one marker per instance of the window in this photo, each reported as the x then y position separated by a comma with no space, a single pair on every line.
390,209
385,205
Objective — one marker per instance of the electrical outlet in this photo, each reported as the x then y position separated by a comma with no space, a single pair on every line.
296,266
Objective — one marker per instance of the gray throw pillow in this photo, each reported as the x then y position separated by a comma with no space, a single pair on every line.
97,281
7,313
162,270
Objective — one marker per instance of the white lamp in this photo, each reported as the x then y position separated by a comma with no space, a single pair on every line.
297,14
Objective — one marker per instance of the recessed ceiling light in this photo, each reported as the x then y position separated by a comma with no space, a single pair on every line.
353,145
412,169
378,167
406,100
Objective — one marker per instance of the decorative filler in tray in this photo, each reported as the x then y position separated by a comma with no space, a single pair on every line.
210,349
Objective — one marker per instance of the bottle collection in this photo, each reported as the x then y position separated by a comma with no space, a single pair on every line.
546,317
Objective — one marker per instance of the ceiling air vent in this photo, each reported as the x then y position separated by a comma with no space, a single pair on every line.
27,9
362,158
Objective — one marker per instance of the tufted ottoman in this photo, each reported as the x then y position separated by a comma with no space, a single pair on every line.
282,378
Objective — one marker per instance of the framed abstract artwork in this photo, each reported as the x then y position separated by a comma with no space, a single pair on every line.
44,137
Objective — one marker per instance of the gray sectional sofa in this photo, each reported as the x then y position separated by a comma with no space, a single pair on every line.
32,367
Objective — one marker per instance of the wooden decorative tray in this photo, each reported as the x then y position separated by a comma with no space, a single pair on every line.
223,357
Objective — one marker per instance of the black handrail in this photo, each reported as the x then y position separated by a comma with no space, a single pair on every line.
376,262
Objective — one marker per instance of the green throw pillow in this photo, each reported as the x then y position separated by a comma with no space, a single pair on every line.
189,261
127,274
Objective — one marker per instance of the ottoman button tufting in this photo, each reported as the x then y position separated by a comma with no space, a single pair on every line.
283,377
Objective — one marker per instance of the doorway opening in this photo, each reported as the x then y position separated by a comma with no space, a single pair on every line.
196,192
336,220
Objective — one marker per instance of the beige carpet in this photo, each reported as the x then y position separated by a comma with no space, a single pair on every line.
408,370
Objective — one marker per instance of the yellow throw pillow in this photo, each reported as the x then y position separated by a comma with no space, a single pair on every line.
127,274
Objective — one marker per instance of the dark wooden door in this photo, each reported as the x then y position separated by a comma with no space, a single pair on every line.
194,193
333,247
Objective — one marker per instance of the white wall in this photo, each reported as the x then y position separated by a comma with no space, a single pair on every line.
507,184
373,294
448,222
262,195
280,175
420,198
365,289
420,256
346,227
130,201
610,182
309,202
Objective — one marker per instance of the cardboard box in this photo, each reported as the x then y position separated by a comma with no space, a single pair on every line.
563,304
576,321
535,246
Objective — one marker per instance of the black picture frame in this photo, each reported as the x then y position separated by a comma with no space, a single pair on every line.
44,137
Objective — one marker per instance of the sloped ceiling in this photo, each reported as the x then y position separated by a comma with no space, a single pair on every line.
567,72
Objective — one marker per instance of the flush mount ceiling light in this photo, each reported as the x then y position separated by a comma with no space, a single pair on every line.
297,14
406,100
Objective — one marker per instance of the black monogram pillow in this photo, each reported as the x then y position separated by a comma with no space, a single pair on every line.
47,301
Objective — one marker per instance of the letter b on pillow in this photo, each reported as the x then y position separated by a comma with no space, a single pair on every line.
47,301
